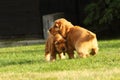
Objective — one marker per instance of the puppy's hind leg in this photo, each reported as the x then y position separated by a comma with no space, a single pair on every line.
53,57
83,53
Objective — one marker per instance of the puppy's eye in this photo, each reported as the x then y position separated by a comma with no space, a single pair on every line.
56,26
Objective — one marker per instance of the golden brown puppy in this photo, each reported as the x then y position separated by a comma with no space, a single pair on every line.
55,44
61,26
78,38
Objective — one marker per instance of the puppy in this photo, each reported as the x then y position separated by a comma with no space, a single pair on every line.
78,38
61,26
55,44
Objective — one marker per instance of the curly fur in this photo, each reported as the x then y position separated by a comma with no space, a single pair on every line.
55,44
78,38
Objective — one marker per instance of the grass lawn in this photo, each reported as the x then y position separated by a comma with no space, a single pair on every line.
27,63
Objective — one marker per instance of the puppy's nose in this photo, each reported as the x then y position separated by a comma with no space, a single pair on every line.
63,49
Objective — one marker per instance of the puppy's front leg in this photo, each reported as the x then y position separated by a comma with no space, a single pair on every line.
47,56
53,56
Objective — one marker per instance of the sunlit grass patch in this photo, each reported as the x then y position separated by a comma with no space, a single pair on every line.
27,62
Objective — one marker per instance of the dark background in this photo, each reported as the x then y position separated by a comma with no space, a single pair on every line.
23,18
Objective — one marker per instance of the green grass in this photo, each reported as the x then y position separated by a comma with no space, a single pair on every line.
27,63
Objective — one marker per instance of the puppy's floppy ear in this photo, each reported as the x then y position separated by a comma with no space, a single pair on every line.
63,30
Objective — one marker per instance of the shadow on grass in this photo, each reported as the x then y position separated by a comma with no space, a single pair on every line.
21,62
22,51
